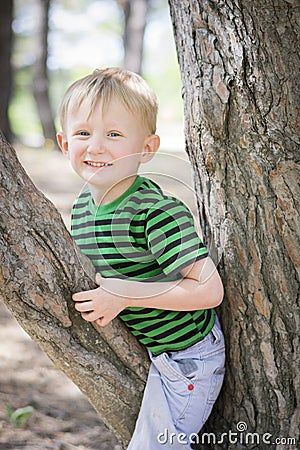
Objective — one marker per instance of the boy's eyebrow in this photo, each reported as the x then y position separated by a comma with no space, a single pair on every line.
83,123
79,123
113,125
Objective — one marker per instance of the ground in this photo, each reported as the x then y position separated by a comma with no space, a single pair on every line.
62,418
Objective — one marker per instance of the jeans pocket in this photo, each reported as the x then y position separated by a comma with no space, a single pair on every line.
176,385
188,367
178,396
214,390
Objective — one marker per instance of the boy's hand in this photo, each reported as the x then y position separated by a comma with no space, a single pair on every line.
98,305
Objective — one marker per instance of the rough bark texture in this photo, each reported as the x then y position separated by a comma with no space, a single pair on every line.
240,73
40,70
40,268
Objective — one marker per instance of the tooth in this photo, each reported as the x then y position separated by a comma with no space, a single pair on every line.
96,164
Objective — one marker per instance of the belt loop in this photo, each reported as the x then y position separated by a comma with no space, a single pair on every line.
216,331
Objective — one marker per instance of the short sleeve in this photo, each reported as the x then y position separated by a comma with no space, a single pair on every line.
171,236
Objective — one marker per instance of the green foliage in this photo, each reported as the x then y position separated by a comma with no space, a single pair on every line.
22,110
20,416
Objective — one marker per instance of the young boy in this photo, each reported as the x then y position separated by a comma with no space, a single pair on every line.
153,270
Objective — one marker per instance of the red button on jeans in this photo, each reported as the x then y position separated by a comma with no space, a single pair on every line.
190,387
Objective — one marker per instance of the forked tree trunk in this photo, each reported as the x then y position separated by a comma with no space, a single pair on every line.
239,62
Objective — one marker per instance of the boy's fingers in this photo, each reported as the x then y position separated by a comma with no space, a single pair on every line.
102,322
98,279
81,296
84,306
89,316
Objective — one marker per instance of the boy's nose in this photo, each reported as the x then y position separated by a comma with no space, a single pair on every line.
96,146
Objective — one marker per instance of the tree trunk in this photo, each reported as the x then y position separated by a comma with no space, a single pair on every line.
40,268
135,15
6,39
40,71
240,74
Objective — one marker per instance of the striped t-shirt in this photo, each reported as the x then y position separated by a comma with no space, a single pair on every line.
148,236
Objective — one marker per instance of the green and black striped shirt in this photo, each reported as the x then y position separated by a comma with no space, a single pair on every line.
148,236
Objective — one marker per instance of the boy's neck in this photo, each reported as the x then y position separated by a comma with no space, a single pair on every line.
105,197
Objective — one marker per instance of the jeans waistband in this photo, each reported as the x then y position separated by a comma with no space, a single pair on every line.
216,330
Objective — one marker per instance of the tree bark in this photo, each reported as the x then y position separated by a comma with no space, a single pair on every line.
239,62
135,15
40,268
6,42
40,70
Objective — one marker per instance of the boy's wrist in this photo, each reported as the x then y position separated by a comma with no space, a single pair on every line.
117,287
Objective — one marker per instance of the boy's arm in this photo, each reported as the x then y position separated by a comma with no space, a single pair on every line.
200,288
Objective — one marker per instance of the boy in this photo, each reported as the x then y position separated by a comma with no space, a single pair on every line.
153,270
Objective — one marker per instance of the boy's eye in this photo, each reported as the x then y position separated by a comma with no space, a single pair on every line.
83,133
113,134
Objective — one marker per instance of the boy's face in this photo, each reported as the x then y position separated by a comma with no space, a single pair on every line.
106,148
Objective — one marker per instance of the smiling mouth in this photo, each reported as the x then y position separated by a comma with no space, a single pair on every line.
97,164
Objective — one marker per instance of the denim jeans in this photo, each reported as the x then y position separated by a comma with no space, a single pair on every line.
181,390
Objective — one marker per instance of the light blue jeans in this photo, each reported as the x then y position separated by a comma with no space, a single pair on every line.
181,390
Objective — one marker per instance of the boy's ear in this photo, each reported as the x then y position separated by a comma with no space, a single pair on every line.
150,147
62,142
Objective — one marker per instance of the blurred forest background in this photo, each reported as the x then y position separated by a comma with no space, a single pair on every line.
46,44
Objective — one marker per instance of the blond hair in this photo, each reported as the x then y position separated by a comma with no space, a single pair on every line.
106,84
